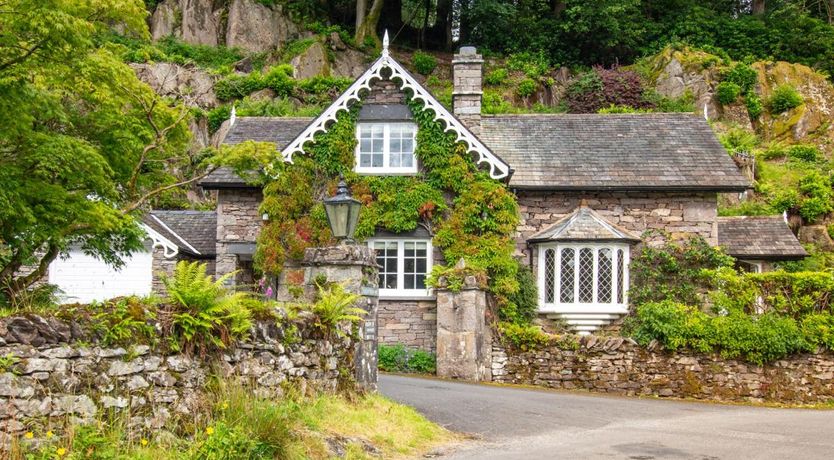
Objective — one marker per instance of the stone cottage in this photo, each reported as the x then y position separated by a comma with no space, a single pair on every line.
588,187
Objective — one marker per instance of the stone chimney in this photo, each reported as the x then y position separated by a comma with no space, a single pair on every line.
467,75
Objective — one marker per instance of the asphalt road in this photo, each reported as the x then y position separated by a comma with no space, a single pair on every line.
519,423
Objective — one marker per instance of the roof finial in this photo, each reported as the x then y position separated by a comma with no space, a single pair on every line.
232,116
385,44
706,112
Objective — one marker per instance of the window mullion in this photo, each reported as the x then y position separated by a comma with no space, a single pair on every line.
557,276
386,153
595,277
400,265
575,275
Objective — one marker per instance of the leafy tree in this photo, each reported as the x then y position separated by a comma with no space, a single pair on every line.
84,145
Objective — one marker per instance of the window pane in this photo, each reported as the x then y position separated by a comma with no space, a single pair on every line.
549,275
386,257
604,272
415,255
620,275
378,130
586,275
376,161
566,277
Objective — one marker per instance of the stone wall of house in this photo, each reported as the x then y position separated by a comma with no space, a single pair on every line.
57,369
412,323
619,366
238,221
163,266
384,92
680,214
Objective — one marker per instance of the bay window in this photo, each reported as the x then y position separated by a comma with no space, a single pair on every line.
584,277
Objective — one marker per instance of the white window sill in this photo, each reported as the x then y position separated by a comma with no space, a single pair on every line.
417,298
418,294
588,308
385,172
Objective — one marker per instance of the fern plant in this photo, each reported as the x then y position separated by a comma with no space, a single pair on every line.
204,313
335,306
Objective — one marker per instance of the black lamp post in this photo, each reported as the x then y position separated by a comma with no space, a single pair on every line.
342,213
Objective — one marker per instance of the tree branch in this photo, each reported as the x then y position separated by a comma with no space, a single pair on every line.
136,204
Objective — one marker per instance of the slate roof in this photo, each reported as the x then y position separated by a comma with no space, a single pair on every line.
655,151
583,224
279,130
194,232
759,237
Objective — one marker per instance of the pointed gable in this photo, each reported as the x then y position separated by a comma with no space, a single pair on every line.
584,224
498,169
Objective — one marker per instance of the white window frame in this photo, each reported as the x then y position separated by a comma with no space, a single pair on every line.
386,150
400,291
557,306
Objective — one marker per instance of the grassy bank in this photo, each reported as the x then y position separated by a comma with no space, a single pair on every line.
234,424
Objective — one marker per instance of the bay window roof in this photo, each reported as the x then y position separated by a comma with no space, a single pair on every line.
584,224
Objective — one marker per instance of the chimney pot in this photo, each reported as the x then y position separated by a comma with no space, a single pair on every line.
467,50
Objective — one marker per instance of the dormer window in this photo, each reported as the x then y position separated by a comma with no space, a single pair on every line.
386,138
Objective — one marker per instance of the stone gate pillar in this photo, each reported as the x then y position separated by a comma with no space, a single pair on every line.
464,339
353,266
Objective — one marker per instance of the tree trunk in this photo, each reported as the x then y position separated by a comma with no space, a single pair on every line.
12,288
368,26
758,7
361,7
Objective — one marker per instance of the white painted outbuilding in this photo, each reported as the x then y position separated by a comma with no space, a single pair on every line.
84,278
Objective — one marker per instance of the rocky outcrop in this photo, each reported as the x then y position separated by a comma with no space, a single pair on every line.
311,62
673,73
189,83
246,24
812,117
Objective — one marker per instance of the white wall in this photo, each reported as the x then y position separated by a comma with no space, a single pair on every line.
84,278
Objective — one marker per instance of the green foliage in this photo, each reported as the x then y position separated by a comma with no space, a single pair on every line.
335,306
727,92
737,140
673,270
124,320
423,63
526,87
804,152
523,336
533,64
818,330
788,294
279,79
497,77
784,98
684,103
204,314
754,104
494,103
398,358
743,76
231,442
526,298
217,116
238,86
755,338
75,122
621,109
818,197
8,362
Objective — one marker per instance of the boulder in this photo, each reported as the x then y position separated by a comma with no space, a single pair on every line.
817,235
255,27
311,63
164,18
673,72
174,80
349,63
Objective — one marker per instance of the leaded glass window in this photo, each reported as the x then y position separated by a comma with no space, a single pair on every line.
583,274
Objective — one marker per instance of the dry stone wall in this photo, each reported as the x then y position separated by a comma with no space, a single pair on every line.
619,366
54,368
412,323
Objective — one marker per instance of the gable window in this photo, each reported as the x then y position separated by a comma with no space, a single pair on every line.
590,276
404,266
386,148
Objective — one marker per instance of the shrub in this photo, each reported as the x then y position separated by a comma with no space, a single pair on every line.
532,64
238,86
526,88
524,337
818,199
790,294
684,103
727,92
496,77
804,152
123,320
525,300
280,80
754,105
818,330
755,338
742,75
204,314
674,271
423,63
398,358
335,305
600,88
217,116
737,140
784,98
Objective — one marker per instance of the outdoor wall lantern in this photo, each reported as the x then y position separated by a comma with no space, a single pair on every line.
342,213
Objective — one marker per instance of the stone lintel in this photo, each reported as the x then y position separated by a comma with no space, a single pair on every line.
348,254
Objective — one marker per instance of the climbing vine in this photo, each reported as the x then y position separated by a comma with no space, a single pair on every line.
471,215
